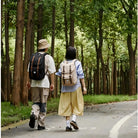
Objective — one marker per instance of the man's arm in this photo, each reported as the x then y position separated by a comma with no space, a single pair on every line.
28,81
52,82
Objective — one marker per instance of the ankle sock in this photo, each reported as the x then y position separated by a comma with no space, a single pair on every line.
68,123
74,118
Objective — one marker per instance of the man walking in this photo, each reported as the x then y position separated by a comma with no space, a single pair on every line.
40,85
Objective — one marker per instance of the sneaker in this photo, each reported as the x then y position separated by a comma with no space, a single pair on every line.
41,127
68,128
74,124
32,121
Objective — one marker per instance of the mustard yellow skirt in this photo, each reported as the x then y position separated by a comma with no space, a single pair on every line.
71,103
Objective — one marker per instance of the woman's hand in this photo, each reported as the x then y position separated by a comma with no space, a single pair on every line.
84,90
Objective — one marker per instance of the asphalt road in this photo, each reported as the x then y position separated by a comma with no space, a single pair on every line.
115,120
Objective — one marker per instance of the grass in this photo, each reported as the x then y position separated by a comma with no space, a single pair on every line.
100,99
11,114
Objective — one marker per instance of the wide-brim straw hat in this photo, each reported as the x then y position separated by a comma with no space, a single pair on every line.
42,44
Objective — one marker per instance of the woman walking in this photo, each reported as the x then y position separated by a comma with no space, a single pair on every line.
71,102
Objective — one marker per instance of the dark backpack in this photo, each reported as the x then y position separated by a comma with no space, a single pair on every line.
37,66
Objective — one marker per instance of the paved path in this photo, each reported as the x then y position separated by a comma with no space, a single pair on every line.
115,120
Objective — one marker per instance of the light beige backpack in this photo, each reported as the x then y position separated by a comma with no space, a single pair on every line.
68,73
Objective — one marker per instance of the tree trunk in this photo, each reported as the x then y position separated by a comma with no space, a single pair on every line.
7,51
32,39
40,21
122,78
90,81
132,79
111,87
132,53
2,59
3,73
114,72
18,53
108,71
53,31
66,24
27,52
97,73
104,81
32,50
94,76
118,79
71,43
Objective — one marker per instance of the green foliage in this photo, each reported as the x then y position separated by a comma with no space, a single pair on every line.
115,23
12,114
52,105
100,99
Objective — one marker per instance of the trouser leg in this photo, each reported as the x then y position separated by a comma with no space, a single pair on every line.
42,114
40,96
35,110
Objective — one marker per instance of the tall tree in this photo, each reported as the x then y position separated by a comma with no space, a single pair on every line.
53,30
97,71
7,72
71,43
130,13
18,53
2,58
66,23
114,70
40,21
100,49
27,51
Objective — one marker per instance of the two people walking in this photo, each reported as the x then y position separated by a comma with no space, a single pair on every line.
71,102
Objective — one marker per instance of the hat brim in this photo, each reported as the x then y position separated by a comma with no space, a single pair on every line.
44,46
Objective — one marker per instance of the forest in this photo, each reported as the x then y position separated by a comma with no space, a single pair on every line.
104,34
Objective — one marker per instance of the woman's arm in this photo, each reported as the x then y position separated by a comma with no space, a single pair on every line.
84,90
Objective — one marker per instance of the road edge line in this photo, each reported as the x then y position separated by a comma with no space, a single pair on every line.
114,131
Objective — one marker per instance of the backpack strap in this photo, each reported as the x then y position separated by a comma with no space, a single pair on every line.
64,74
47,68
65,61
45,54
70,73
74,60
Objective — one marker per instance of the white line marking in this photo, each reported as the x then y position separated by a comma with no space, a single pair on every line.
135,128
116,127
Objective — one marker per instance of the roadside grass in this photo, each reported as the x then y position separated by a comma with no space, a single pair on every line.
11,114
100,99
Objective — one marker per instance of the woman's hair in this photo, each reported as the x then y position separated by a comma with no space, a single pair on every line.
70,53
